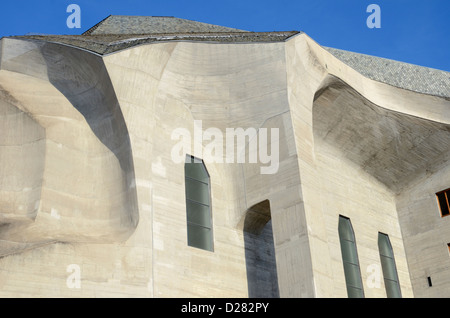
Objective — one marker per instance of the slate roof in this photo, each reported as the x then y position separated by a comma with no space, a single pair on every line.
399,74
119,32
122,24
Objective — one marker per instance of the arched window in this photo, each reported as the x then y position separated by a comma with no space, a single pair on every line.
260,261
350,259
198,204
388,265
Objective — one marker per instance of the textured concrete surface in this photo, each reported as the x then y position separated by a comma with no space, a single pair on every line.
73,143
87,179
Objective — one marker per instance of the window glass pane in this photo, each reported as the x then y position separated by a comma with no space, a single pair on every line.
388,266
392,289
198,214
199,237
198,204
354,292
352,275
345,229
197,191
350,258
196,170
349,252
443,203
384,245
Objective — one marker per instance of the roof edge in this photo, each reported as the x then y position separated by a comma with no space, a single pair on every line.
93,28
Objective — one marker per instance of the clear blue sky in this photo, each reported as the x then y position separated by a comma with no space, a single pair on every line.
413,31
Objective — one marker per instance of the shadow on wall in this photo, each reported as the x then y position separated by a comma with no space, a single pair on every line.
395,148
83,79
260,260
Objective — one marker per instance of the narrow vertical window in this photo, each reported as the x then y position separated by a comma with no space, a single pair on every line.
388,265
350,259
443,198
198,204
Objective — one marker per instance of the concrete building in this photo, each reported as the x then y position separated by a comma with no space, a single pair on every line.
94,204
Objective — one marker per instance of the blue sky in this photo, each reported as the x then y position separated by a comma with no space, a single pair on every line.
412,31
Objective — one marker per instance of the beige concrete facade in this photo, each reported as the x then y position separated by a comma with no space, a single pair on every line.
87,178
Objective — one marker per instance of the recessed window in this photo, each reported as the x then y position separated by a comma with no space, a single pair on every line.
443,198
391,281
430,283
352,271
198,204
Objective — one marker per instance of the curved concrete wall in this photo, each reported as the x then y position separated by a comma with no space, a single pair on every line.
354,183
396,138
392,147
112,198
86,172
22,159
221,86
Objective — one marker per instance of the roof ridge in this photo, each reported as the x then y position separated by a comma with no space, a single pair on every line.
92,29
132,24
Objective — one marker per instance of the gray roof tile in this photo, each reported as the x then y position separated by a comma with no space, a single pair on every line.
122,24
399,74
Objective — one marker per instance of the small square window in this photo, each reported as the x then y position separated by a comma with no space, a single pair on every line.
443,198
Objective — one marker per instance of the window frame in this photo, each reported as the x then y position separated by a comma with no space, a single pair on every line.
390,257
446,194
344,262
189,222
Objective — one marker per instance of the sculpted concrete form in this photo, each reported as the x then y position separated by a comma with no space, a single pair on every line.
87,176
73,145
